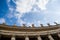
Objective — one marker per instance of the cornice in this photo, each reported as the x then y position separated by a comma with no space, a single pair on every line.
22,28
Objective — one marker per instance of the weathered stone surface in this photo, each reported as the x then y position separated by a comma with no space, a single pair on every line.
27,31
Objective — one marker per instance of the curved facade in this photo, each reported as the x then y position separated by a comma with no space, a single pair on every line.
50,32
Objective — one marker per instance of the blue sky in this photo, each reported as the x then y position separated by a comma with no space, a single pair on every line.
29,12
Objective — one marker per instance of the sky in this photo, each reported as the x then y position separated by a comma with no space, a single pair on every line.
29,12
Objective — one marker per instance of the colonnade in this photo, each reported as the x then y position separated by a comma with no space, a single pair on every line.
38,37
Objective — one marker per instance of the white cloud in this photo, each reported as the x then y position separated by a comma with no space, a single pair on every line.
20,22
42,4
10,15
25,6
2,20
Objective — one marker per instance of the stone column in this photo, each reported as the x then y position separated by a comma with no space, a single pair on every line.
0,36
39,38
50,37
26,38
13,38
59,35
